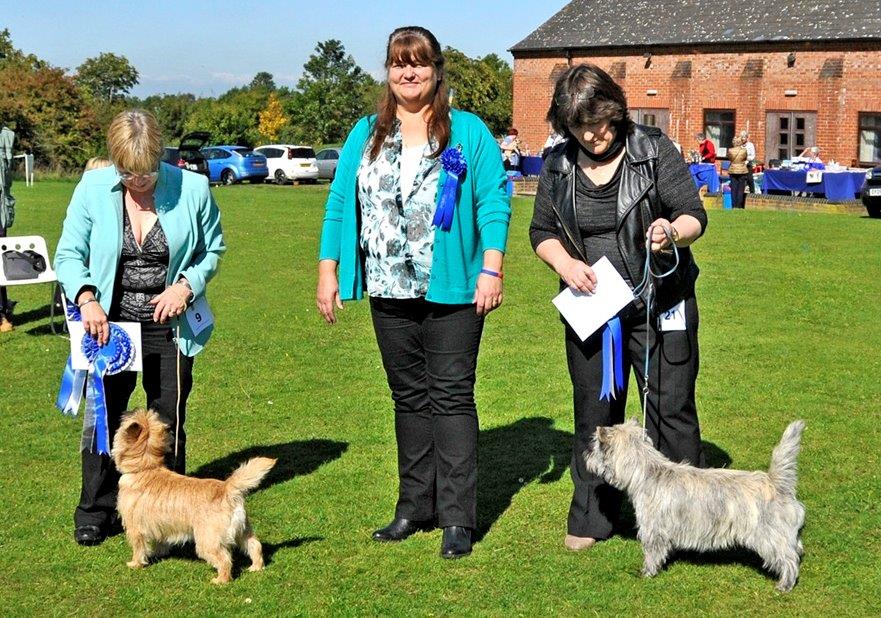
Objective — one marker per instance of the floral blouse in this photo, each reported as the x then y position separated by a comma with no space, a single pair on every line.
397,236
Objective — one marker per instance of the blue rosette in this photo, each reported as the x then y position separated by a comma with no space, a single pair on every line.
115,356
455,165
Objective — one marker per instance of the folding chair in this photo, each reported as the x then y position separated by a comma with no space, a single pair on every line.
38,245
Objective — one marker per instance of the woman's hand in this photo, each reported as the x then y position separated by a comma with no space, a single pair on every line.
328,294
170,303
577,275
94,319
488,295
662,234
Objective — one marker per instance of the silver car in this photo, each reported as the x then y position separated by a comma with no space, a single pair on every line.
326,161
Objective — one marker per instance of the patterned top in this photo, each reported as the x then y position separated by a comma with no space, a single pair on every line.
142,273
397,236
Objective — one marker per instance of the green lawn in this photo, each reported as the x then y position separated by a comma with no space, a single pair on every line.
789,329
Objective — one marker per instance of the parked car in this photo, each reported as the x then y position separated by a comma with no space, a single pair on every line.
871,192
188,154
326,160
288,162
231,164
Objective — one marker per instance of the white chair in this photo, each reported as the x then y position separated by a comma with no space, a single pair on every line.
38,245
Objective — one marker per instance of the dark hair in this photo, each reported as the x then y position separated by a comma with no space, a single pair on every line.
700,136
414,45
512,131
585,94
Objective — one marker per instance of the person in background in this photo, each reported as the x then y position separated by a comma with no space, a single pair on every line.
705,148
7,215
96,163
811,155
554,138
747,143
738,172
510,146
431,282
140,242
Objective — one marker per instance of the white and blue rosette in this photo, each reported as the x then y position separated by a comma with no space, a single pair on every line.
115,356
454,164
613,360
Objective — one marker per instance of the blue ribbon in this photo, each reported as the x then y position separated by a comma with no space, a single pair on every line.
115,356
443,215
613,360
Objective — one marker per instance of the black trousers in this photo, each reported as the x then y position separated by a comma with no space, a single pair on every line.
160,380
5,305
738,184
429,352
671,414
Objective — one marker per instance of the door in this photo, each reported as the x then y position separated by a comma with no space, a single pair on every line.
653,117
787,134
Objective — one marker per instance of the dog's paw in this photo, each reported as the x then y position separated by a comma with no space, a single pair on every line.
135,564
221,579
647,572
256,567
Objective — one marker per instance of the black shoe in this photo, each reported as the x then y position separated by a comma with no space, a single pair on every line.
89,535
400,529
456,542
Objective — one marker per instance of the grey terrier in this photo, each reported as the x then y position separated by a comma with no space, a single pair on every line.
679,506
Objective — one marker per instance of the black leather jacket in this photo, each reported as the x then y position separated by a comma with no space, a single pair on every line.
638,205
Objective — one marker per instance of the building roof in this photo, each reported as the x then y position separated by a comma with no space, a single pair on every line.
584,24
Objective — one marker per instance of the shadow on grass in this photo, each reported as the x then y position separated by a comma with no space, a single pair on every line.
714,456
294,459
512,456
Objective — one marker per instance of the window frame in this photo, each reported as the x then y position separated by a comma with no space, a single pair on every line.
733,125
877,129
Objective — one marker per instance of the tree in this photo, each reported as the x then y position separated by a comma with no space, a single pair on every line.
263,80
272,119
171,111
108,77
483,86
330,95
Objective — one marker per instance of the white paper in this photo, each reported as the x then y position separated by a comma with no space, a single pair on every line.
673,318
813,177
586,313
79,360
199,315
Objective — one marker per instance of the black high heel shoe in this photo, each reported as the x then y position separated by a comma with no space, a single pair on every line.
401,528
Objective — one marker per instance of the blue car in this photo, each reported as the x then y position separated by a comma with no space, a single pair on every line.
231,164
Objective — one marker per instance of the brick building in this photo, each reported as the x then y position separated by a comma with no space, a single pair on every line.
794,73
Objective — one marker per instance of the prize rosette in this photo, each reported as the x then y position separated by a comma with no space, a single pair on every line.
454,164
115,356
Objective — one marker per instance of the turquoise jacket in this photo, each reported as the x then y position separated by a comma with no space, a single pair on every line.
91,241
480,222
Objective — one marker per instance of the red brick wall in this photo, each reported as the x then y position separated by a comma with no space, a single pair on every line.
718,81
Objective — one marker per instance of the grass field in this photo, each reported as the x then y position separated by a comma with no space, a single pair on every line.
790,329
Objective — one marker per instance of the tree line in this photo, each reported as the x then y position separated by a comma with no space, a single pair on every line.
62,117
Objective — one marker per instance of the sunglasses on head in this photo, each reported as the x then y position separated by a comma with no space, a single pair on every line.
565,98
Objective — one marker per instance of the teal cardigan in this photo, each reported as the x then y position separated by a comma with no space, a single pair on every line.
91,241
480,221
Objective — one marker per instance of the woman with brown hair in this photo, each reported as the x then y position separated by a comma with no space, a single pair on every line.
606,191
418,217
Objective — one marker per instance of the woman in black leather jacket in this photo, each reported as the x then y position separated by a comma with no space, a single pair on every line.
601,193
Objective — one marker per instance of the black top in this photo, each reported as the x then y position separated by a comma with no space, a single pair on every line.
596,208
141,274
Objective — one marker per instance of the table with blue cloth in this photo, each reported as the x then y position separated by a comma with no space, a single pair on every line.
531,166
836,186
705,174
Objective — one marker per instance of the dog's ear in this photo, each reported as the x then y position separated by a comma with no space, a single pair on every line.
602,432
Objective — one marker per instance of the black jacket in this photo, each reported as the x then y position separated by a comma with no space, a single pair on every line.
640,202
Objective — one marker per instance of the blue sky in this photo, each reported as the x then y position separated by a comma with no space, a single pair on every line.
208,47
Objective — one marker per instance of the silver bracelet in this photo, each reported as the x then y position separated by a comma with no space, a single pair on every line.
91,300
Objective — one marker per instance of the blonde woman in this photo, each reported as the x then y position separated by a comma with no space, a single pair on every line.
738,172
140,242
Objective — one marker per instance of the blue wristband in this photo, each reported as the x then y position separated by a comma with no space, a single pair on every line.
491,273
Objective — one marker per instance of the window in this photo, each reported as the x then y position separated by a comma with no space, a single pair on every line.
870,138
301,153
787,134
719,126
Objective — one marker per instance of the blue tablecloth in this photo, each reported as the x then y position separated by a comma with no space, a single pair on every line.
836,186
705,174
531,166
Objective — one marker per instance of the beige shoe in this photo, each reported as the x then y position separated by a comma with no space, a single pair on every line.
578,543
5,325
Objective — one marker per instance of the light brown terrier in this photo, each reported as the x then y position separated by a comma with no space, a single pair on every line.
160,508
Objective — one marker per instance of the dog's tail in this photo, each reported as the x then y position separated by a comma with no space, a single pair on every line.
784,466
249,474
